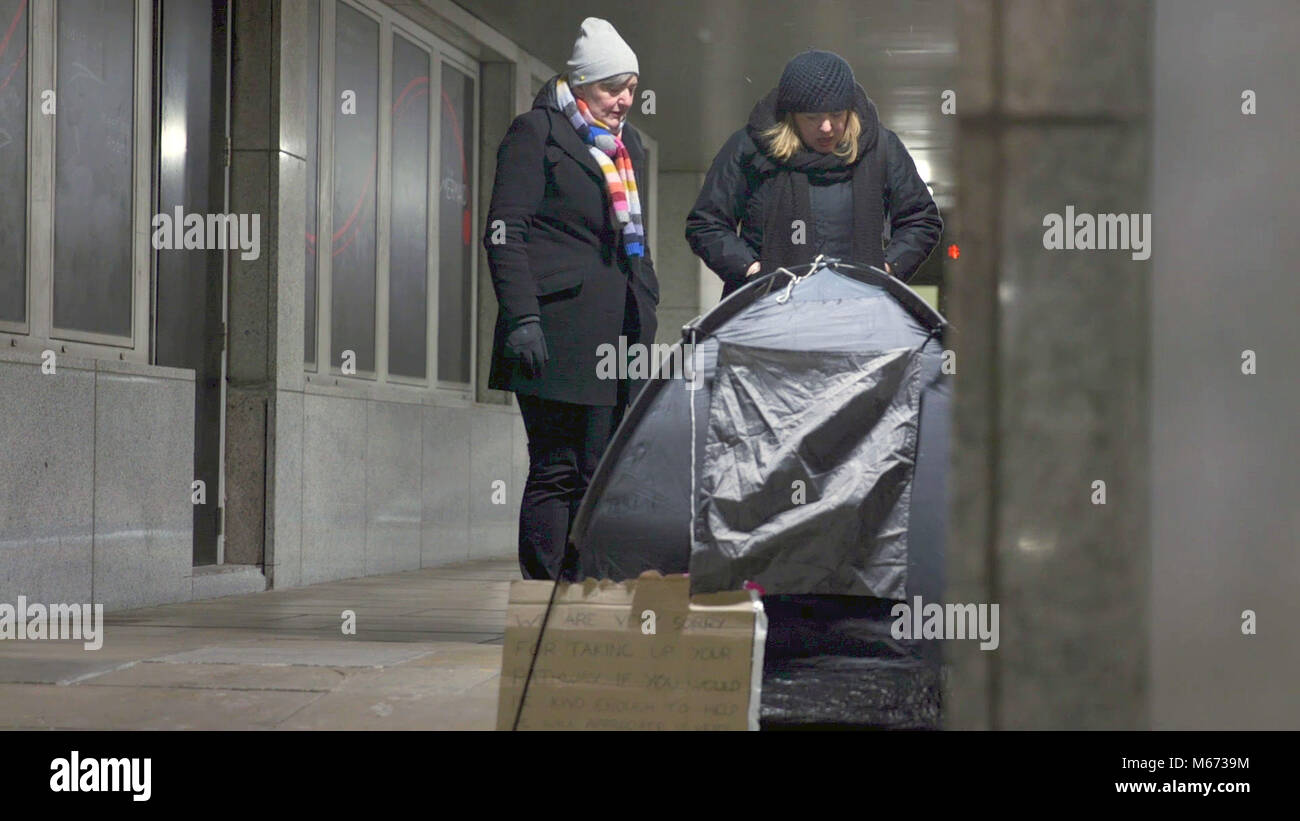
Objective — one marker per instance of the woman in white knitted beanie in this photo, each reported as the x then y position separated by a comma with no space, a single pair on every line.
572,272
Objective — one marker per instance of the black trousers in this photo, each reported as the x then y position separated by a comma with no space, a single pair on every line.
565,443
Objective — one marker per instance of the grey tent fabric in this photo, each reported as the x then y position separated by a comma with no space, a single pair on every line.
830,659
807,471
638,510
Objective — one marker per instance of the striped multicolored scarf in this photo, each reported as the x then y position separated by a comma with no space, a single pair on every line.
614,161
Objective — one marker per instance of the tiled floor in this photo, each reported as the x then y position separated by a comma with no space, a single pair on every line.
426,656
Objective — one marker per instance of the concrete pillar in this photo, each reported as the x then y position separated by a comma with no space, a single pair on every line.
500,106
1052,378
265,297
677,267
1224,437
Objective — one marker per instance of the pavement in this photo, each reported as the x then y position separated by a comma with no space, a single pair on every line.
426,655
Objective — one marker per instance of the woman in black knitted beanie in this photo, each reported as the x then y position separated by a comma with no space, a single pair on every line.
813,172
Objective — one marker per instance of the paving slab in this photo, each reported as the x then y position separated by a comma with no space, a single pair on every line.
426,655
444,622
301,653
146,708
55,670
222,677
451,696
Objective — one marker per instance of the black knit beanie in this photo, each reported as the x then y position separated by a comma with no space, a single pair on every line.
815,81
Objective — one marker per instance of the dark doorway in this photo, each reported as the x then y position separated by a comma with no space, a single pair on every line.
192,83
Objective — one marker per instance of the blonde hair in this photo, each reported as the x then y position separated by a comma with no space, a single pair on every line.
783,139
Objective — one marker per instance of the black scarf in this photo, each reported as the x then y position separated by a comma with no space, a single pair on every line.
789,199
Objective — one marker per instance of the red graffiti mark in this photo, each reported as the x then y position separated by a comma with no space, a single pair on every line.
398,107
401,106
464,167
13,24
414,90
14,68
356,209
4,44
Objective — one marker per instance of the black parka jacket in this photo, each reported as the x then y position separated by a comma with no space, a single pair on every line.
561,256
736,194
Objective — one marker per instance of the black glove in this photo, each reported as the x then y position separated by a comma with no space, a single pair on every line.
527,343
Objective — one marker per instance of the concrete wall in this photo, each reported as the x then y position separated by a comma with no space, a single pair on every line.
367,486
97,467
331,478
322,481
679,270
1225,505
1051,367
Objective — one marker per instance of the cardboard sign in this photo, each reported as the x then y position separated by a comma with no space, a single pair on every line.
635,655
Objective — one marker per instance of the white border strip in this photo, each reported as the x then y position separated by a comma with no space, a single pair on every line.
756,670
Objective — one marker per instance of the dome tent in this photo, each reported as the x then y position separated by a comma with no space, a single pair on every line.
841,346
821,423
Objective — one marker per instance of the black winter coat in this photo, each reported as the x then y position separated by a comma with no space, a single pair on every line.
562,258
736,193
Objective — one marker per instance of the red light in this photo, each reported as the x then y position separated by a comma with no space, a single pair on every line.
953,251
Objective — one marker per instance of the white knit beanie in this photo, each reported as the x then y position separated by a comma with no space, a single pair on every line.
599,53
